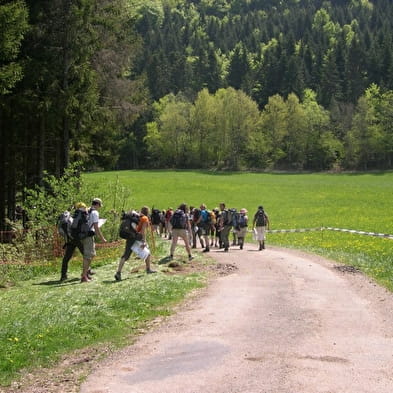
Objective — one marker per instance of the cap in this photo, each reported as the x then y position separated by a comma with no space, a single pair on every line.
97,200
243,210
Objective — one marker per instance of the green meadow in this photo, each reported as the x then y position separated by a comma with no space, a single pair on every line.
359,201
42,319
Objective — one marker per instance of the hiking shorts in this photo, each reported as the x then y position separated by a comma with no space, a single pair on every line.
182,233
205,230
242,232
89,247
261,236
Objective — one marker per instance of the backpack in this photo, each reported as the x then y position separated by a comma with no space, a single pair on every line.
230,217
260,218
128,224
79,228
213,219
206,217
64,222
178,220
155,217
242,221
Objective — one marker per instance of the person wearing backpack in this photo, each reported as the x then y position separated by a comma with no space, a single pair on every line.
180,228
196,230
217,234
168,226
225,225
204,223
88,242
136,241
235,215
64,224
241,227
155,219
261,223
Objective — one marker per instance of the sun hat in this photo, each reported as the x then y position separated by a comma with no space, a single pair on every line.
243,210
97,200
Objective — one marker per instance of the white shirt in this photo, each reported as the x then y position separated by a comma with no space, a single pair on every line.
93,218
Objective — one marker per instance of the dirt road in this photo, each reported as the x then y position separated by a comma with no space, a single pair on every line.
283,322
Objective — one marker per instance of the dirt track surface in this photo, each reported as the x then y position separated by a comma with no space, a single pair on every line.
282,322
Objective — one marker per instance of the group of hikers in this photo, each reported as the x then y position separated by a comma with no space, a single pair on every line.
191,224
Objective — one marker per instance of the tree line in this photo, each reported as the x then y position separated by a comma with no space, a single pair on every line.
226,130
110,83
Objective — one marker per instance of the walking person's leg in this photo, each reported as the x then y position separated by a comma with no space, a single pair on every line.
225,237
174,241
68,252
183,234
126,255
89,253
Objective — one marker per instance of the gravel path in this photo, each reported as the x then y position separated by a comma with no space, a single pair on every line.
282,322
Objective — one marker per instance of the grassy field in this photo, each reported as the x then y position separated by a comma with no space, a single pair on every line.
42,319
353,201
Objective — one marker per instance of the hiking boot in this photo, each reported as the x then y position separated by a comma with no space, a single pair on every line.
241,246
149,271
63,278
260,247
207,249
190,257
118,276
85,279
226,249
170,257
90,272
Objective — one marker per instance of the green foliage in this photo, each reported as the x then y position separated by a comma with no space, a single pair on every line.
13,27
44,203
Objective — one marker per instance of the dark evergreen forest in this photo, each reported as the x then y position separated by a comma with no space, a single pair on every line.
215,84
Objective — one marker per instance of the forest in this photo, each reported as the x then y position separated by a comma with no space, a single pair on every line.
299,85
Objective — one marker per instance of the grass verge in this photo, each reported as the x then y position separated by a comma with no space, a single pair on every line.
43,319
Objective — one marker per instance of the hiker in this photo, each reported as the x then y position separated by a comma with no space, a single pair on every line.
181,228
216,229
241,227
168,227
196,231
155,219
137,244
88,243
162,227
261,223
225,226
70,243
204,223
235,215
